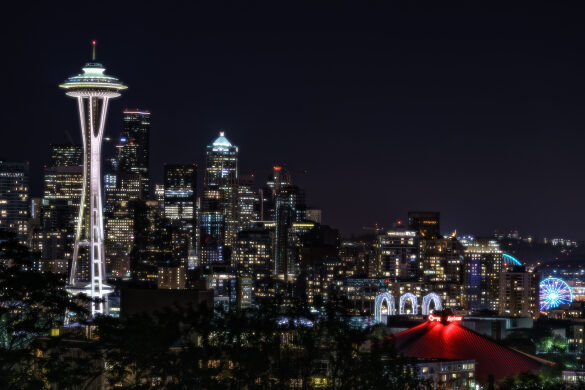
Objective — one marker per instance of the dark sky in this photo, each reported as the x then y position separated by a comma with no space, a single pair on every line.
472,111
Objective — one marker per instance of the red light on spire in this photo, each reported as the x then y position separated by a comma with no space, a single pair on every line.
93,43
277,168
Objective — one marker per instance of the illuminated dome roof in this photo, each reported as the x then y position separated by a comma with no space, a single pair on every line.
437,340
221,143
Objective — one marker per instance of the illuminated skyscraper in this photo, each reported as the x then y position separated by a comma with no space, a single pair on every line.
253,253
14,199
63,186
63,155
519,291
180,200
220,186
246,202
442,260
134,155
93,90
397,255
483,264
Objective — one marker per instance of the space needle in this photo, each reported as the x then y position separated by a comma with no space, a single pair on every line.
93,89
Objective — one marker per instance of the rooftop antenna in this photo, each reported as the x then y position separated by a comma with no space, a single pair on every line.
93,43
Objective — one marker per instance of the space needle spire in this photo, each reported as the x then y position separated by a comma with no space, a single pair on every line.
93,89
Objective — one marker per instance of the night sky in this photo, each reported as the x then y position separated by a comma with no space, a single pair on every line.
474,112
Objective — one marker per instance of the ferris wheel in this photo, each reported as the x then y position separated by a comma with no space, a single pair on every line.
553,293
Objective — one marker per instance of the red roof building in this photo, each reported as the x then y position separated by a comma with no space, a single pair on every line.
441,340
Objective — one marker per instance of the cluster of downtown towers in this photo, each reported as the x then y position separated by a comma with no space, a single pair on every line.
244,242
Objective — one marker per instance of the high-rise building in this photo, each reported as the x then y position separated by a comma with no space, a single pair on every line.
133,149
212,235
59,210
280,178
150,241
253,253
289,208
119,228
358,258
426,223
93,90
483,264
519,292
172,277
246,202
66,155
122,193
220,185
314,215
397,254
180,202
443,269
14,199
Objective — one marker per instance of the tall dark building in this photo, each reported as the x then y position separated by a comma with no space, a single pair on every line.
426,223
134,152
14,199
180,202
220,185
267,208
289,208
148,249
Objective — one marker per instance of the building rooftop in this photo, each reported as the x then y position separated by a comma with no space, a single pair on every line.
438,340
221,143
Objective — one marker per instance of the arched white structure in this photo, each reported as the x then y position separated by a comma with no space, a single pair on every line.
426,303
413,301
390,303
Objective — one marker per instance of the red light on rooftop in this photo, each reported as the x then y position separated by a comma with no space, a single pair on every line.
449,318
93,42
277,168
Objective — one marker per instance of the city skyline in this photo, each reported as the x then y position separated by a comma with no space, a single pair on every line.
285,99
292,196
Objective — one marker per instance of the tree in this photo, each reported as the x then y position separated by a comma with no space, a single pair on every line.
31,304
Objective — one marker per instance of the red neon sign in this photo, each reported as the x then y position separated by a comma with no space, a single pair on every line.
433,318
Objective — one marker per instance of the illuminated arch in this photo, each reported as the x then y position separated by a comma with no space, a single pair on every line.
510,259
426,303
390,303
413,301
